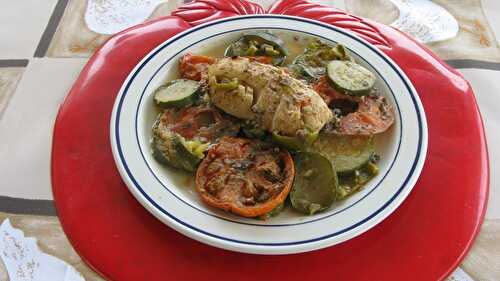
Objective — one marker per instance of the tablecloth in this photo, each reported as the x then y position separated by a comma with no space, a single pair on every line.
45,44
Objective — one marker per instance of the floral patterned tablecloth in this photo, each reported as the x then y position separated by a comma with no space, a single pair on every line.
45,44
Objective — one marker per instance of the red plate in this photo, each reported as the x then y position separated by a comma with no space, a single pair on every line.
424,239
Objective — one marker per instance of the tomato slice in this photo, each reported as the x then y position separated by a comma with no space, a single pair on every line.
245,177
202,123
366,115
194,67
374,116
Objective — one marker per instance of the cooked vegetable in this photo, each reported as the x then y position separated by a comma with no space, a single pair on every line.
193,67
259,44
314,187
346,153
373,116
203,123
245,177
159,150
274,212
177,93
172,149
298,142
180,136
330,94
277,101
350,77
352,182
311,65
301,69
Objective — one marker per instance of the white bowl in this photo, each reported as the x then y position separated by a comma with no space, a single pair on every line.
170,196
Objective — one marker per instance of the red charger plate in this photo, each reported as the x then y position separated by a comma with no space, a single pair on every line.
424,239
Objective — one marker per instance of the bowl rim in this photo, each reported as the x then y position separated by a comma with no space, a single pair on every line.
280,248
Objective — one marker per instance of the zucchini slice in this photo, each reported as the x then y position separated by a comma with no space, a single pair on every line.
346,153
315,184
296,142
302,68
177,93
311,64
172,149
350,77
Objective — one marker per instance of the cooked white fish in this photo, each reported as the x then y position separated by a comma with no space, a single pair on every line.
279,102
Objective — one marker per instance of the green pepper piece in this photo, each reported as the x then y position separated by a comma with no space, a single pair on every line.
372,168
315,184
339,51
231,85
252,49
343,191
269,50
272,52
195,148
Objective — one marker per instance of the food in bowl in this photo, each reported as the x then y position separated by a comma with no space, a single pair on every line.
256,127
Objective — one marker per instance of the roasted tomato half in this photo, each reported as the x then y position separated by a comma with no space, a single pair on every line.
245,177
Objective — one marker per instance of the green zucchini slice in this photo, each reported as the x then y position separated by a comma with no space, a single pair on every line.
315,184
296,142
172,149
346,153
302,68
177,93
350,77
311,64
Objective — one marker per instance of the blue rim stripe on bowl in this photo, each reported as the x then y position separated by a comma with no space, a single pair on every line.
139,188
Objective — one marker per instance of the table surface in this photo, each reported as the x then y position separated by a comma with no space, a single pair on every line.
41,56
